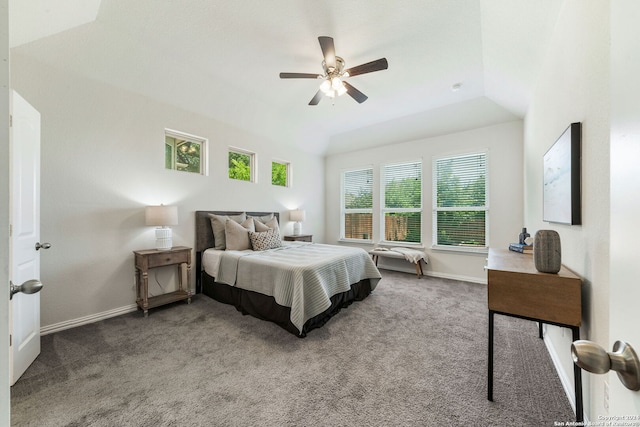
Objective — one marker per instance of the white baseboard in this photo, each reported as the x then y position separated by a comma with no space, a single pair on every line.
567,383
471,279
68,324
482,281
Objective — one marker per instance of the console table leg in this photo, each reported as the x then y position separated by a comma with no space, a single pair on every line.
540,330
490,358
577,378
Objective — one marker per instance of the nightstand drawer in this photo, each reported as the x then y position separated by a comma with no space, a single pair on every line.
299,238
169,258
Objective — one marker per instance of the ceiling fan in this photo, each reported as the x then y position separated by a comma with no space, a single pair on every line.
333,83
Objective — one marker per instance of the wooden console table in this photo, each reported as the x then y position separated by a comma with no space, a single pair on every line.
515,288
151,258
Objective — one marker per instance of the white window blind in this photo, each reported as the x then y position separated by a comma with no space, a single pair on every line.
402,207
357,203
460,201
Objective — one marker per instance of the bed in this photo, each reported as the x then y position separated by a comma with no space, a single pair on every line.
298,285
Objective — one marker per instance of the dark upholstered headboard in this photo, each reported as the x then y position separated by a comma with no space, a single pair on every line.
204,235
204,232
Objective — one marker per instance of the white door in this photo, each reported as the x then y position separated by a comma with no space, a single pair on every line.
624,294
24,320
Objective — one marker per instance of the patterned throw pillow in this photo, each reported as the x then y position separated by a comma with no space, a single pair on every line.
264,240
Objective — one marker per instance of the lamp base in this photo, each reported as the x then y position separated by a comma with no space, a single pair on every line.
163,239
297,228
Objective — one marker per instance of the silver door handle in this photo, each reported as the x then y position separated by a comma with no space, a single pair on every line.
623,359
29,287
42,246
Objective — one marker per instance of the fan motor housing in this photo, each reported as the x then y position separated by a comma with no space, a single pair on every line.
331,71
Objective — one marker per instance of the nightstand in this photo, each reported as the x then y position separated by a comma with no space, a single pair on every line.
299,238
151,258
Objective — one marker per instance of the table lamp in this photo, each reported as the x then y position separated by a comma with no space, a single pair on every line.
162,216
298,216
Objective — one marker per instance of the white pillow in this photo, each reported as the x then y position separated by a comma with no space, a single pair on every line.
237,235
217,225
264,240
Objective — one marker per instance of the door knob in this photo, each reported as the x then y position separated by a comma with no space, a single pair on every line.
42,246
624,360
29,287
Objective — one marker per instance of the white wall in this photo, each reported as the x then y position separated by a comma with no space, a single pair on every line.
103,162
573,86
504,143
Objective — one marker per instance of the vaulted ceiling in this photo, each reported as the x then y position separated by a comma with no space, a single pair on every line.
222,59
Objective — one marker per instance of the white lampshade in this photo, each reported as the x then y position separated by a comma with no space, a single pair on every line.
162,216
325,87
297,215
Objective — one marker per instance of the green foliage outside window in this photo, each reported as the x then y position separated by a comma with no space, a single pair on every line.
239,166
182,154
363,200
403,202
279,174
461,201
358,204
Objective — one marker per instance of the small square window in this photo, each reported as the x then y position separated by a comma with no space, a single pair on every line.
184,152
280,173
241,165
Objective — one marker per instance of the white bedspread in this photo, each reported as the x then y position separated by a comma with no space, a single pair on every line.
303,276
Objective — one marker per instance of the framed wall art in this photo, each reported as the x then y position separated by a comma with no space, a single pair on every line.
561,192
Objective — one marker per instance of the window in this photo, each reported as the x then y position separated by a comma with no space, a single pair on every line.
184,152
460,201
280,173
357,204
241,164
402,207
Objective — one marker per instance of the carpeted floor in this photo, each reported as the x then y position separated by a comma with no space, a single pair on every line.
412,354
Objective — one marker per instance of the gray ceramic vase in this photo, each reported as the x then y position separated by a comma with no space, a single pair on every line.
547,256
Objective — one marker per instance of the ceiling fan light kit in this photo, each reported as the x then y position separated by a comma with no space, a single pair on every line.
333,80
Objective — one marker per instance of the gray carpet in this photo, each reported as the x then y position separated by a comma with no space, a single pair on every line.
412,354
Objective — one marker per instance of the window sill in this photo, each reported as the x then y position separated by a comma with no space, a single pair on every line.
461,249
401,244
356,241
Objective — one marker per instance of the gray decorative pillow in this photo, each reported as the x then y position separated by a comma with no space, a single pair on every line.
260,226
263,219
268,225
237,235
264,240
273,223
217,225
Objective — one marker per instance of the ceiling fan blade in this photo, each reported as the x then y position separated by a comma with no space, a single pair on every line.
316,98
369,67
328,50
298,76
355,93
